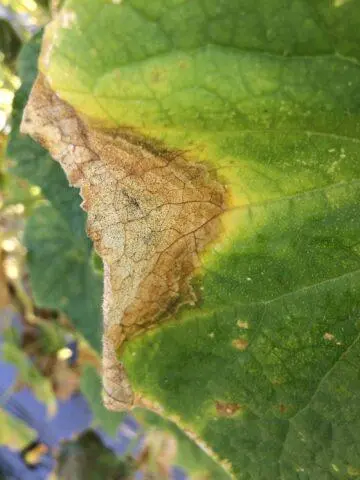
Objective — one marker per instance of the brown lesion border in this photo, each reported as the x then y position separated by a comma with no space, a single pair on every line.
179,194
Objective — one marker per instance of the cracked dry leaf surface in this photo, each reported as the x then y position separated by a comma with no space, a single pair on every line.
267,95
150,214
61,267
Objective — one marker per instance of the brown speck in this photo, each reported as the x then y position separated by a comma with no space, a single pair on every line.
283,408
242,324
240,344
183,64
329,336
227,409
155,75
277,381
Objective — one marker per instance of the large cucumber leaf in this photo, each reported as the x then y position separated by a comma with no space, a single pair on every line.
264,368
61,264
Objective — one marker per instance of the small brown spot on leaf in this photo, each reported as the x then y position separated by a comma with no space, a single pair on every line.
277,381
242,324
183,64
155,75
353,471
240,343
227,409
283,408
331,338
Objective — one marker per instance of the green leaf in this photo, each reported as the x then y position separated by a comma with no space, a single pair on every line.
189,455
265,367
14,433
10,42
51,337
62,266
17,191
61,272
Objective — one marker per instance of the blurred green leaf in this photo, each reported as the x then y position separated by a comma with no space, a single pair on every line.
13,432
44,3
60,253
88,459
30,161
51,337
61,272
16,190
10,42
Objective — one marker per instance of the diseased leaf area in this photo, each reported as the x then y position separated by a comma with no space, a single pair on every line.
62,265
264,367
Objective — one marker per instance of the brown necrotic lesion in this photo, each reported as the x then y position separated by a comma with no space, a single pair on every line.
151,213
